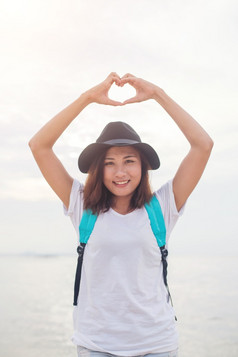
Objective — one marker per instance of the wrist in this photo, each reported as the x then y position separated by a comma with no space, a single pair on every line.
159,95
86,97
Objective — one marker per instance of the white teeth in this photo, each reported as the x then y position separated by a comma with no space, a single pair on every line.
122,182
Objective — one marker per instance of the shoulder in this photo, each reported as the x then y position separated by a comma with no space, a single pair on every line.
75,208
165,196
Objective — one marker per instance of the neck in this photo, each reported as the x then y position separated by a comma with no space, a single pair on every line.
122,205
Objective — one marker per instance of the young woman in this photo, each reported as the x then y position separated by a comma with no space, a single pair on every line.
122,307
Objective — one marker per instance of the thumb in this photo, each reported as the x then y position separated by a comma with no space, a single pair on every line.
131,100
113,102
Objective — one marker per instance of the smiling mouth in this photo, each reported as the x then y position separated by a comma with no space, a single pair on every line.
121,183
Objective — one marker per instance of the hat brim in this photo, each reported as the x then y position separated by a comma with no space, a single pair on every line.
92,151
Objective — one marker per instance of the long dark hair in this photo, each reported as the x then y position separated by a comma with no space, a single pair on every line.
99,199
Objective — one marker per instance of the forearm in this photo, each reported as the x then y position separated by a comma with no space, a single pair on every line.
195,134
46,137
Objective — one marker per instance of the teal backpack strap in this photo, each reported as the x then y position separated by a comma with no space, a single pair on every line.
86,226
156,220
159,230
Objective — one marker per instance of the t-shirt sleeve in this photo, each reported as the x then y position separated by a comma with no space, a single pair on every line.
75,208
166,199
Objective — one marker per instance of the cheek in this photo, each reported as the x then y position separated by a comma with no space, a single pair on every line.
106,174
138,171
136,174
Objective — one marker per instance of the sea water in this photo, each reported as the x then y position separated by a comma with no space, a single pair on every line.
36,305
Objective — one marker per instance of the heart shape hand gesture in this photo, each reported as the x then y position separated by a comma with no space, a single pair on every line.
144,90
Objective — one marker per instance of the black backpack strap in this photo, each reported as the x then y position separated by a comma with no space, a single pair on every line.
80,251
164,255
85,229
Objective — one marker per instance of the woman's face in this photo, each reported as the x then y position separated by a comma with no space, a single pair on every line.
122,170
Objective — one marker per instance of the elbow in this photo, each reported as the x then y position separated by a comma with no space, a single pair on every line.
204,147
209,144
206,143
32,145
37,148
207,147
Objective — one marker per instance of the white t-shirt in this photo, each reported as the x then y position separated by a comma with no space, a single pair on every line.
122,305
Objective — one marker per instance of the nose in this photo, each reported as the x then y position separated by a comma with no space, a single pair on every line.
120,170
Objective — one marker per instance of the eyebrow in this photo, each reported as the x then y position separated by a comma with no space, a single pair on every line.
125,157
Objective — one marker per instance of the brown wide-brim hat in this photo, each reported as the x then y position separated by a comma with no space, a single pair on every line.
116,134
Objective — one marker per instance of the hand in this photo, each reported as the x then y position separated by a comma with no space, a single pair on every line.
99,93
144,90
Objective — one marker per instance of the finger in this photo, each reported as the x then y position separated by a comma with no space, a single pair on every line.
127,75
113,102
114,78
117,81
129,80
114,75
131,100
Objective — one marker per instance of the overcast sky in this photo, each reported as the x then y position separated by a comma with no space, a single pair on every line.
53,51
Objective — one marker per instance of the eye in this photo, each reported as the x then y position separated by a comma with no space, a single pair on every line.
129,161
108,163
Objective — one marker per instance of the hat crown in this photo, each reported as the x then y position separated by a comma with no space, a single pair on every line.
116,134
118,130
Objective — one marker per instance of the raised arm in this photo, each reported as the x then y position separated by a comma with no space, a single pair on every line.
42,142
193,165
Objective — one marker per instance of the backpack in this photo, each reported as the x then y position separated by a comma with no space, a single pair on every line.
158,228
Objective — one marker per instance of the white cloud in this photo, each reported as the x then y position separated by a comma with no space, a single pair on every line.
27,189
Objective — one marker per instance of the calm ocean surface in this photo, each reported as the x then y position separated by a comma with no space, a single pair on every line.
36,305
